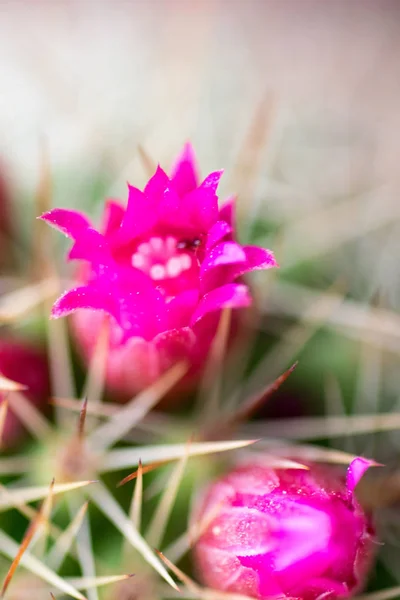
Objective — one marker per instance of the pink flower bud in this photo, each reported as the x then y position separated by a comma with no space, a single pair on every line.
284,533
162,268
23,363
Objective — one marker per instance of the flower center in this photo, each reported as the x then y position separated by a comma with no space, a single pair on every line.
166,259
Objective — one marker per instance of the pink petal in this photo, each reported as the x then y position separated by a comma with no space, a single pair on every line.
169,208
224,572
140,215
180,308
327,588
258,258
113,214
227,212
162,199
201,205
135,304
142,307
174,345
303,541
356,470
87,297
270,588
218,231
211,182
225,253
255,259
131,367
184,173
233,295
247,532
157,183
93,247
70,222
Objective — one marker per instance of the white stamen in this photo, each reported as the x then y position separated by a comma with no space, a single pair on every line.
144,248
174,266
170,242
156,242
186,262
157,272
138,260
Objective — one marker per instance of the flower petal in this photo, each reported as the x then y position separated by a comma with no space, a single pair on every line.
356,470
201,205
174,345
126,294
180,308
113,214
225,253
256,258
140,215
223,568
218,231
70,222
132,367
184,172
87,297
227,212
157,184
211,182
233,295
169,209
142,307
93,247
247,531
303,539
163,200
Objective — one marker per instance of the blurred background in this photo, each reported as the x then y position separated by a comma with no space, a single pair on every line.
297,100
94,79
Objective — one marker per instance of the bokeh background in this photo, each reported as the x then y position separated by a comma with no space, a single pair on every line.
298,101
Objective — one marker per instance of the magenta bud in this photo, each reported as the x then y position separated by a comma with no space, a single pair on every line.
25,364
287,533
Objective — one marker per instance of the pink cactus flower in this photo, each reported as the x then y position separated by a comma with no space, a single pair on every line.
285,533
23,363
162,269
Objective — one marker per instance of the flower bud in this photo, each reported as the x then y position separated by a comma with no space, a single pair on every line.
284,532
25,364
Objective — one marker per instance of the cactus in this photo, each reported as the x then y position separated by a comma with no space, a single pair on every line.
87,533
